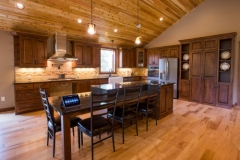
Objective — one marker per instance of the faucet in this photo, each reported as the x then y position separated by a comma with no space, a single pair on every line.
110,72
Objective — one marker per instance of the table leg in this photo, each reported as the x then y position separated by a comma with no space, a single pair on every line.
66,137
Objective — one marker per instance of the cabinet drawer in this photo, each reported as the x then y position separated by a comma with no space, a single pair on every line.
43,85
23,86
136,78
93,81
103,81
29,94
28,105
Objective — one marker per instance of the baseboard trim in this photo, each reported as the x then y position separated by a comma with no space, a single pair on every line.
7,109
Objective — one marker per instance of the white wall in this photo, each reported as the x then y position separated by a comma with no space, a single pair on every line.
212,17
6,69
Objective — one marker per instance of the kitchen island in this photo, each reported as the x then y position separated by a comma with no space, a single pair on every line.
165,106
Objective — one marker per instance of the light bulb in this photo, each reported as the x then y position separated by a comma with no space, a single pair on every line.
91,28
138,41
19,5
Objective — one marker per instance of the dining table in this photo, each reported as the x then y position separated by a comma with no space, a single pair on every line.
84,107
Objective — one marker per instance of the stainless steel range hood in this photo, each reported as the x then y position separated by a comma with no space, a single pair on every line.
61,49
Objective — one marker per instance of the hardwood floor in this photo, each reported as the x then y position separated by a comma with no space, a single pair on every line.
193,132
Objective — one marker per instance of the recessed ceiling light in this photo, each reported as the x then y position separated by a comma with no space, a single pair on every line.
79,21
115,30
19,5
161,19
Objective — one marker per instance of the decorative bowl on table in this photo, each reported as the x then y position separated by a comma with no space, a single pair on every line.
224,66
225,55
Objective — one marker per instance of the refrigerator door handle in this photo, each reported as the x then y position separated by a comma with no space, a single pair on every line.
167,70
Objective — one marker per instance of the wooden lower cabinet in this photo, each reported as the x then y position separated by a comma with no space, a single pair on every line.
165,101
81,86
184,89
27,97
224,95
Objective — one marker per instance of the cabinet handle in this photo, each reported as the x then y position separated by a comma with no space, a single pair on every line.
64,84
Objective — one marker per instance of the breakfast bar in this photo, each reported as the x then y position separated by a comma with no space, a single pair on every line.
165,106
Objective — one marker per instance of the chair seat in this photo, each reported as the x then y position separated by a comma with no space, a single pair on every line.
118,114
143,108
100,125
57,122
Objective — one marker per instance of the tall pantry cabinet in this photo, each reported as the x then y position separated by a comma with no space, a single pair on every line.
206,69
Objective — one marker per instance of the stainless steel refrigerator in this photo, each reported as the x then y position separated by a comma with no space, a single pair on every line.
168,72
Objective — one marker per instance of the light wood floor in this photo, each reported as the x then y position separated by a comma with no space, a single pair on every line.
192,132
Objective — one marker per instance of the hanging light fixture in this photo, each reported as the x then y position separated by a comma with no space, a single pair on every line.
138,41
91,26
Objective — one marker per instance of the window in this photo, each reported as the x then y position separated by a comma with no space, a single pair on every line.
107,60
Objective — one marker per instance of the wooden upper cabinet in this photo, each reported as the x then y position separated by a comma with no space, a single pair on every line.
30,50
96,55
127,58
141,58
155,54
153,57
88,54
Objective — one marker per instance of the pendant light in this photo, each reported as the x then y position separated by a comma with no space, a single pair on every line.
138,41
91,26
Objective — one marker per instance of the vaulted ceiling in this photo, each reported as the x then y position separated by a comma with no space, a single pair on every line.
45,17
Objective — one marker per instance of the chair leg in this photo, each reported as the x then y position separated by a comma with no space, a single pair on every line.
79,139
123,132
113,141
136,126
147,122
47,137
156,116
53,144
92,147
73,130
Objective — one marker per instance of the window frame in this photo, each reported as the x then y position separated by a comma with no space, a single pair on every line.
115,60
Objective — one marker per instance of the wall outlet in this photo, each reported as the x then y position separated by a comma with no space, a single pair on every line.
2,98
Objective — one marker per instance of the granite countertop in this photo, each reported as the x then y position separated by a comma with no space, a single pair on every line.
66,79
125,84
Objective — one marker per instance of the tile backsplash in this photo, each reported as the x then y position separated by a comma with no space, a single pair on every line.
53,69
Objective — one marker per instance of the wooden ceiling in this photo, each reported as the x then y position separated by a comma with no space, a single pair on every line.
46,17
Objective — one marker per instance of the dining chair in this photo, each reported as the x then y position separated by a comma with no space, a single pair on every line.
128,111
150,106
54,123
98,123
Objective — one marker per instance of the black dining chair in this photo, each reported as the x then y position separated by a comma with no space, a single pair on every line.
150,106
128,111
54,123
98,123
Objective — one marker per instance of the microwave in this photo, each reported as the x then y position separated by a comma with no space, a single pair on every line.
153,73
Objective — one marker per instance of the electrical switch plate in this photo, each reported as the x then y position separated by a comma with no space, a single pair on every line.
2,98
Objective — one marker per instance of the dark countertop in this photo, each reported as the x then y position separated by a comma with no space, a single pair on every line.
66,79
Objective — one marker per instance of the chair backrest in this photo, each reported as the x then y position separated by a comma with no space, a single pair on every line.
131,97
100,101
153,94
46,107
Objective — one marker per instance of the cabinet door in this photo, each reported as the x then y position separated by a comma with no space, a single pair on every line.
92,82
156,57
78,50
96,56
132,59
209,76
169,98
224,94
184,89
195,90
140,57
163,53
123,58
81,86
27,52
162,101
88,55
173,52
41,52
150,57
